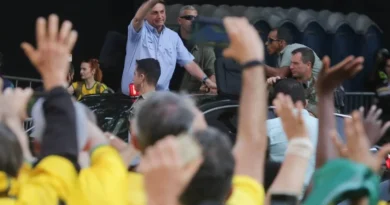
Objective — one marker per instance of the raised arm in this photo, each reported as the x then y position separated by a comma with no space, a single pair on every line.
139,17
186,59
328,80
250,148
59,143
290,179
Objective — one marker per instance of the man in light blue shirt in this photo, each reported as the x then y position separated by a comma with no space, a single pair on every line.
277,138
149,38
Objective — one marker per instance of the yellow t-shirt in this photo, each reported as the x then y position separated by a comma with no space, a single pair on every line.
245,191
85,91
105,181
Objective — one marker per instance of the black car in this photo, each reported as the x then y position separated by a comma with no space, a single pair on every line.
112,111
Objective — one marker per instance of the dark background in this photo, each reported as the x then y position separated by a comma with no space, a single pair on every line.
93,18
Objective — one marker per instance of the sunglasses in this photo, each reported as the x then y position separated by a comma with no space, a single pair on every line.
188,17
270,40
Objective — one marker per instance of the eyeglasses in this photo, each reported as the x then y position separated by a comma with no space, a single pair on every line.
188,17
270,40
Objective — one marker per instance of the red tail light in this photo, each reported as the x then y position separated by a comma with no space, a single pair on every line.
388,162
132,91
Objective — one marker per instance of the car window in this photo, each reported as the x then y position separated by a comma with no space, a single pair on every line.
121,129
224,118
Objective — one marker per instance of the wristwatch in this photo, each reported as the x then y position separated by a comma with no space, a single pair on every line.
204,79
284,199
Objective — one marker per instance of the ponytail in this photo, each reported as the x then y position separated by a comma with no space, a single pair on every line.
96,66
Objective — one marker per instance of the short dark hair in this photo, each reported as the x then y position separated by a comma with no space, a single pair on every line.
291,87
284,34
213,180
150,67
307,55
164,113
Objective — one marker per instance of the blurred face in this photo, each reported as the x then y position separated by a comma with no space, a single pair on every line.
185,19
298,67
387,68
86,71
274,45
156,16
139,79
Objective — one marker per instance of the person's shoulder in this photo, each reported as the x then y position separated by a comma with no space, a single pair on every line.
206,48
311,121
171,32
293,46
273,124
103,85
75,84
246,190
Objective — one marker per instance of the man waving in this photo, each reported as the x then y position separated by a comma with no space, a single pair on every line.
149,38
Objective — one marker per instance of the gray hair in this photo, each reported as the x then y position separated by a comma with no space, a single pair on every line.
185,8
164,113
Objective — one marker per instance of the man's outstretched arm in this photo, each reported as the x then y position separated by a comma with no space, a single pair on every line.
141,13
273,72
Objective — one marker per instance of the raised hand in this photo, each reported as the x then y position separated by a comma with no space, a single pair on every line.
330,78
341,148
293,123
165,176
51,57
242,49
358,144
15,101
373,126
272,80
13,113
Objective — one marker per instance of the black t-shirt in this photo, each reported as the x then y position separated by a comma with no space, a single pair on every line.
178,74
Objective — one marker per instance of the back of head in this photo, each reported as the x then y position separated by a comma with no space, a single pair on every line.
307,55
11,157
213,180
150,67
285,34
291,87
164,113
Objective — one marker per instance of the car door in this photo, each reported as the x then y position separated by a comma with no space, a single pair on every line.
223,115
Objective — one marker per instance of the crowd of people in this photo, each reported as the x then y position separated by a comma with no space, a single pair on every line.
173,156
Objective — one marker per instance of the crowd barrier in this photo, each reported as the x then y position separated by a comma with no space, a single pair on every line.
355,100
352,100
24,82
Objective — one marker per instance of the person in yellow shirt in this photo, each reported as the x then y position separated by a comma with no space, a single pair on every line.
91,83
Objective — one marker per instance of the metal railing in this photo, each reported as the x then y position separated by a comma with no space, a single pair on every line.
28,125
23,82
355,100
